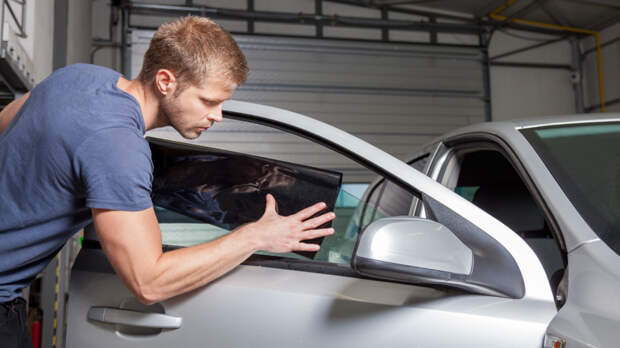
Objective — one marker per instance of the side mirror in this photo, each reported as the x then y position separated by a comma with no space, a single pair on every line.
419,251
411,250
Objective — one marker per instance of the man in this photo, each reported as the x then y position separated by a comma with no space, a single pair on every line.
73,151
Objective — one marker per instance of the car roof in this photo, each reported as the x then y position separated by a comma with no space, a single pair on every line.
510,127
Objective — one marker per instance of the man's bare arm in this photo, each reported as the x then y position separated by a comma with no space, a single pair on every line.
9,111
132,243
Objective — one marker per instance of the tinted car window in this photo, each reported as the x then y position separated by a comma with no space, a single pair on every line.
186,228
585,161
386,199
488,180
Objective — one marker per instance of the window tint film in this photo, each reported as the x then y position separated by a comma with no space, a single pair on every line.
585,161
227,189
274,144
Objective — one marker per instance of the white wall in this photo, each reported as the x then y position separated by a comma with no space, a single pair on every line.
530,92
611,70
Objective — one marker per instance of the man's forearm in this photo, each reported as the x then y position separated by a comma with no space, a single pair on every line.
132,243
182,270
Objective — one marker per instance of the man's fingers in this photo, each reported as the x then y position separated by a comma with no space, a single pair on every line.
318,221
307,247
311,210
317,233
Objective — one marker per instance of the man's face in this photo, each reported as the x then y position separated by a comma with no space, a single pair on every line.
196,109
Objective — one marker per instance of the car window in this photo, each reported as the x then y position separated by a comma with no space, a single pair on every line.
179,229
488,179
385,198
585,161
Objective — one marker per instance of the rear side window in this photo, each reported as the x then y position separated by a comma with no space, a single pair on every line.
488,180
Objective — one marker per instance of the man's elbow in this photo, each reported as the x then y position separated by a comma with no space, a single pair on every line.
147,295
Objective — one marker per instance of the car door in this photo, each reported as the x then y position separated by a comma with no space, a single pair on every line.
294,300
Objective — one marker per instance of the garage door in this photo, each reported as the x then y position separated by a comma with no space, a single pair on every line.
396,96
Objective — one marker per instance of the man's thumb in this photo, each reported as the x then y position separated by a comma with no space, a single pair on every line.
271,205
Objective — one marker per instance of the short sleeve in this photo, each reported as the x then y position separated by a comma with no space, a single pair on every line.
116,171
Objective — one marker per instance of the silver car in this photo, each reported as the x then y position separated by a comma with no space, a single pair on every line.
495,235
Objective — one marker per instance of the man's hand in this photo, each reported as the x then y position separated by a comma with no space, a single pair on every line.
283,234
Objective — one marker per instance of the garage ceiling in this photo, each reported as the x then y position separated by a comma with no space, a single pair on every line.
584,14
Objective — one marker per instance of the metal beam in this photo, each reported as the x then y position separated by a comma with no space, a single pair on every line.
522,11
603,3
406,10
606,23
524,49
607,43
532,65
398,2
301,18
607,103
19,25
556,15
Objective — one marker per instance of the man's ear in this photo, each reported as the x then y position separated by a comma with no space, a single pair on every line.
165,81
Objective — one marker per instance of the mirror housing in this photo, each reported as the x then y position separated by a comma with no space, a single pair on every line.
411,250
420,251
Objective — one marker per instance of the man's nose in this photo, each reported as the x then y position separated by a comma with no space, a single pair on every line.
216,115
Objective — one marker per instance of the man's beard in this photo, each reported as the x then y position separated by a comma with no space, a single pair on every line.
172,115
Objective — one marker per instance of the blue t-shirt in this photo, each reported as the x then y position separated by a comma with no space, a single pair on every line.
77,143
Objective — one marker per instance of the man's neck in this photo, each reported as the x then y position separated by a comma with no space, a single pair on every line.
149,103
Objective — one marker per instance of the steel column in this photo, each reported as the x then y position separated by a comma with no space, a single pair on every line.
576,75
61,9
250,7
318,10
125,43
485,39
385,32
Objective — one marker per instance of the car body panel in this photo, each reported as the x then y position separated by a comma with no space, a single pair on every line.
266,307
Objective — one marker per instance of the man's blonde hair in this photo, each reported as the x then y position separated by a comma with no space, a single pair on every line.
192,48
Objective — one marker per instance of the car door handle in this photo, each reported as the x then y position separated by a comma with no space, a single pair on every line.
134,318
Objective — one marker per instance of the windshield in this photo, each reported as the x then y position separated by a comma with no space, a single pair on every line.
585,161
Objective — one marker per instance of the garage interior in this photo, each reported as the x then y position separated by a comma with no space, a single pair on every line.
396,73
